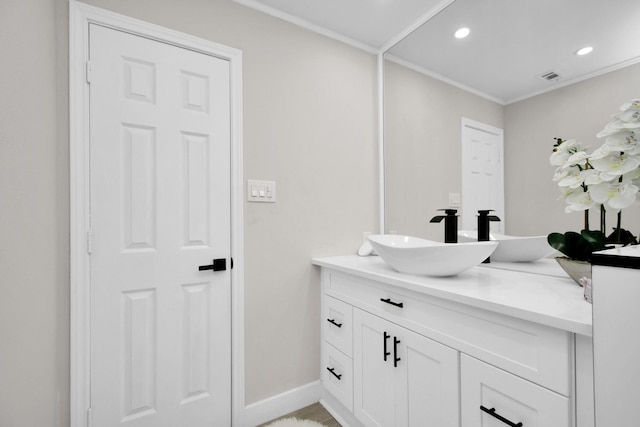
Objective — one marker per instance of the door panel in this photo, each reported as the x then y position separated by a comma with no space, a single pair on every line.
429,396
160,207
374,379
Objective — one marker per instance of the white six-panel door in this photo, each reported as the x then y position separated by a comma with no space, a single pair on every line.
482,173
160,208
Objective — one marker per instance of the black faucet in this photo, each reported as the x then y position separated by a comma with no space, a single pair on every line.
450,224
483,227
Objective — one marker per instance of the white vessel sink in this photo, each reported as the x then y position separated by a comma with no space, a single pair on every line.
413,255
512,248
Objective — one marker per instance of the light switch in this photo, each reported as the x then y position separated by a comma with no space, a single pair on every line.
454,200
261,191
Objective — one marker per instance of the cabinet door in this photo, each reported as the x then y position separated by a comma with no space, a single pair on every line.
373,374
417,384
492,397
428,393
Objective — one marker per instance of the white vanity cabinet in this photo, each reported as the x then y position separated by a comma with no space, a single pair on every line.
409,358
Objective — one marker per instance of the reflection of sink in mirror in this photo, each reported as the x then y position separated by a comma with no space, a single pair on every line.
513,248
413,255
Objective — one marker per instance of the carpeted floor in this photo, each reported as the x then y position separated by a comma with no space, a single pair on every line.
294,422
315,412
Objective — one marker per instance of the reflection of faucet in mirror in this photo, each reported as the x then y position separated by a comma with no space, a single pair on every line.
450,224
483,224
483,227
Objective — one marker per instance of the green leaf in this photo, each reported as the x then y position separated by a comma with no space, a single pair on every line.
624,237
577,246
596,238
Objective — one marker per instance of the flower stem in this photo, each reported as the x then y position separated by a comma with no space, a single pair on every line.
586,219
603,219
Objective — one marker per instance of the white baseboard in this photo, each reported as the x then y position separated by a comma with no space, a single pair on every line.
281,404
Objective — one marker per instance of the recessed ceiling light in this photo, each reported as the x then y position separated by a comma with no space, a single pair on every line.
462,33
584,51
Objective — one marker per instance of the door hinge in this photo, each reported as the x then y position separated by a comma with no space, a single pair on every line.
89,418
89,242
88,71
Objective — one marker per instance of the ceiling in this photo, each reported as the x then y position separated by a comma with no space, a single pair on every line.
512,42
365,23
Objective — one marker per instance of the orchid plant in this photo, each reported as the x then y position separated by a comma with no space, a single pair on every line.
605,178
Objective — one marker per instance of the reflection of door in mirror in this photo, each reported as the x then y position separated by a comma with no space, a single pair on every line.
482,173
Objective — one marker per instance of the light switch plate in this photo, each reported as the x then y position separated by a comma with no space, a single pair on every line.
261,191
454,200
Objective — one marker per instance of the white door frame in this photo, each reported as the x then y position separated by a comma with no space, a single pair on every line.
80,16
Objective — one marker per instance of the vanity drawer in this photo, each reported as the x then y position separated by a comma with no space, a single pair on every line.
337,324
337,375
538,353
492,397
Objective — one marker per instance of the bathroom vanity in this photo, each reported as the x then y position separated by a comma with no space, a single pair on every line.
488,347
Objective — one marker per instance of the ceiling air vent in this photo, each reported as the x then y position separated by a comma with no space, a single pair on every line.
550,76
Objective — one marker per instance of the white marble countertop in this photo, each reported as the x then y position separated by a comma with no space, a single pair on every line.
537,292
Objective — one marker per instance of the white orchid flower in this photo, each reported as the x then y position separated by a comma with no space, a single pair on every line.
634,104
578,200
625,140
562,152
616,163
573,179
594,176
614,196
577,158
631,176
609,129
560,174
600,152
627,118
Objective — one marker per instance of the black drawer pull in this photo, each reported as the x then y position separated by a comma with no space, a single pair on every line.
396,359
385,352
388,301
493,413
332,370
333,322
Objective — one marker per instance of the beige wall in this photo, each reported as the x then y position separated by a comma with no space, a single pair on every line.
577,111
309,125
422,146
34,285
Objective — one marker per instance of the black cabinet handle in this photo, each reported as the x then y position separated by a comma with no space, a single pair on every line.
333,322
396,359
493,413
332,370
386,353
388,301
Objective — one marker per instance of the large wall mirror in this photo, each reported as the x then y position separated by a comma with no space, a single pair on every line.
518,70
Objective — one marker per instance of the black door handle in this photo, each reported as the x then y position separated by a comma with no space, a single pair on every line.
385,352
494,414
334,323
333,372
396,359
388,301
219,264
